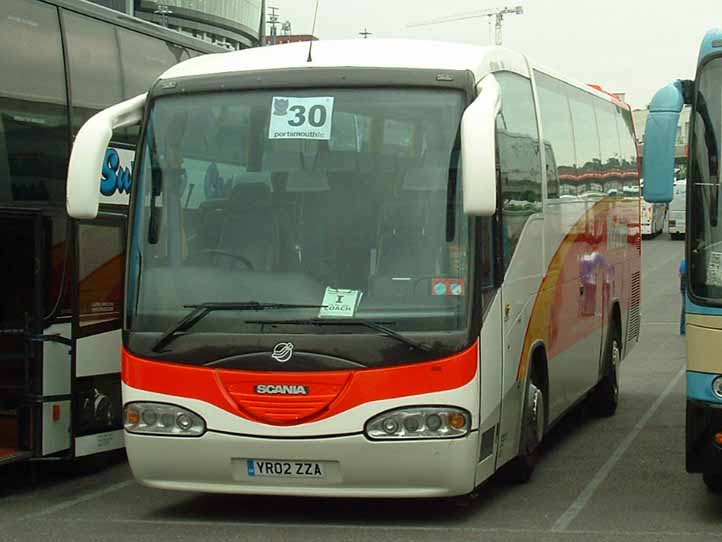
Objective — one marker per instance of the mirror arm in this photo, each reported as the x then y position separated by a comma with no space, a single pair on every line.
89,148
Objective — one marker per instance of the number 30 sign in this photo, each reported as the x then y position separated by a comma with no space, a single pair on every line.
301,118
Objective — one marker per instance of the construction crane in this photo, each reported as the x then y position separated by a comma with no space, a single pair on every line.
497,13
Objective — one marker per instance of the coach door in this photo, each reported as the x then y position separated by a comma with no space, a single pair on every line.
99,278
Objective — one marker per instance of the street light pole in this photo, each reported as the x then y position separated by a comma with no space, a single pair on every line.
273,21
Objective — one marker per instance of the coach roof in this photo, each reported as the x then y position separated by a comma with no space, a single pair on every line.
359,53
409,54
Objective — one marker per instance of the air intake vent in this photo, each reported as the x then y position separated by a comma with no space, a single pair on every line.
634,318
283,399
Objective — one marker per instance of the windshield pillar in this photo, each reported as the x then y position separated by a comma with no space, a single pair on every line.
705,235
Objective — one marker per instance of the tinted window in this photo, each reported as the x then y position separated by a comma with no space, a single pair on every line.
611,178
33,114
586,143
100,272
95,75
628,148
307,216
558,136
518,143
143,60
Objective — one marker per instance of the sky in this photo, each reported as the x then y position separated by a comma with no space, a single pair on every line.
632,46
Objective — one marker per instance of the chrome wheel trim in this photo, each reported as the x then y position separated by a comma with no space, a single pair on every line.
535,422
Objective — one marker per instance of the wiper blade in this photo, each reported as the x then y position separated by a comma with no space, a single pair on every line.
376,326
204,309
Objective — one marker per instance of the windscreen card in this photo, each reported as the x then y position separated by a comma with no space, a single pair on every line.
301,118
340,303
714,269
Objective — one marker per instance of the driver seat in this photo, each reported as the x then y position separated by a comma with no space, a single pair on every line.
249,229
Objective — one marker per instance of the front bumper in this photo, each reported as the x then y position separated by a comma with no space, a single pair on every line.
357,467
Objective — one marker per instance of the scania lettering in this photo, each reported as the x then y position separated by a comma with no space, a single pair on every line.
281,390
703,230
406,294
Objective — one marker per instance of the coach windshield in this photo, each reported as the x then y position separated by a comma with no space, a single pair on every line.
344,203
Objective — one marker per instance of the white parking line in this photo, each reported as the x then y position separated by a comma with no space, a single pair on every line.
581,501
79,500
305,527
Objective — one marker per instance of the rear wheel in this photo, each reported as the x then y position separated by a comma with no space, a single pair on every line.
713,482
605,396
532,431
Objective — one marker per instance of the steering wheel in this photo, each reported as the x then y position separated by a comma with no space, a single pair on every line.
245,261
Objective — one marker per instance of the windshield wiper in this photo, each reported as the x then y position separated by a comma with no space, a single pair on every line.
376,326
204,309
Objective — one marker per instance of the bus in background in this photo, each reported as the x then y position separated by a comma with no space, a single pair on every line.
335,310
704,243
677,221
653,216
62,282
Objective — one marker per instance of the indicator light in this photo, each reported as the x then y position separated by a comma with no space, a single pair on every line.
132,416
457,421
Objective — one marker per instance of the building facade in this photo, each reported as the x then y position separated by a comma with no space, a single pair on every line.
232,24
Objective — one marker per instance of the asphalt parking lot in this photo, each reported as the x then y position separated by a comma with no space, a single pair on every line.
611,479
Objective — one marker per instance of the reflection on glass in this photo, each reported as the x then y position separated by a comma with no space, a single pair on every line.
520,163
241,215
33,117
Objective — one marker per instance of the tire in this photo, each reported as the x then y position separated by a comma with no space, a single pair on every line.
533,423
713,482
605,397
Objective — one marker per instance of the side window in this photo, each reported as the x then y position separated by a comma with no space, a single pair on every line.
101,250
558,136
609,146
519,158
143,59
628,147
34,144
95,77
586,139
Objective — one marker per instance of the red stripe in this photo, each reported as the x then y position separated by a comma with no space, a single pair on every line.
329,393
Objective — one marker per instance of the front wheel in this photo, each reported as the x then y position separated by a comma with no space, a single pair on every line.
532,432
605,396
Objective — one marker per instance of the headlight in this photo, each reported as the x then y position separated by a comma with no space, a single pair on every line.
419,423
717,386
162,419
